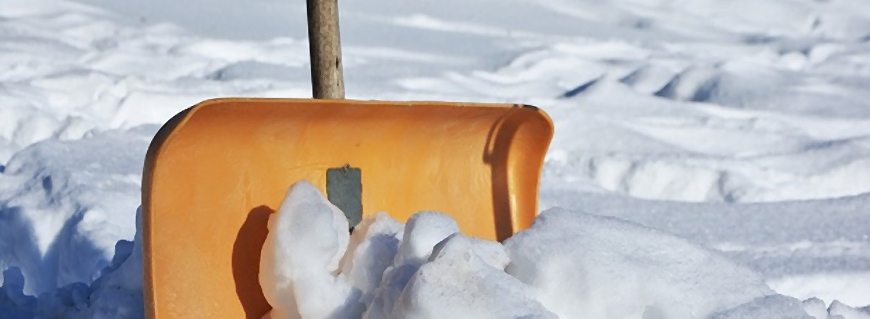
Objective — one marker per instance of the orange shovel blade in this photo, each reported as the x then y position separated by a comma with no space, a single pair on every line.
216,171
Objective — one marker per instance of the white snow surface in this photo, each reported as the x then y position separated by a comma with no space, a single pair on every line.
741,126
307,239
568,265
602,267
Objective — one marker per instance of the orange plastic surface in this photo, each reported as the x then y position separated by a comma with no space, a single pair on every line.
216,171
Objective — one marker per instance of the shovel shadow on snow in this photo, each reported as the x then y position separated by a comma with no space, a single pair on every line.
246,262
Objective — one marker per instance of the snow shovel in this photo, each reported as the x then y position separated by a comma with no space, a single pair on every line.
215,172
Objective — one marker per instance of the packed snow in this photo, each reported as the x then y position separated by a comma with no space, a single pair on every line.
741,127
569,264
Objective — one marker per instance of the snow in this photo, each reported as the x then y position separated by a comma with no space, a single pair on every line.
788,243
420,235
839,309
458,282
117,293
740,126
422,232
372,248
603,267
567,265
65,204
775,306
815,308
435,271
307,238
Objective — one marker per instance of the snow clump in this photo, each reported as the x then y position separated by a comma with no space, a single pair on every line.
568,265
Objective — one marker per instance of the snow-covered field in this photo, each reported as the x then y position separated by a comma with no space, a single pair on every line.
742,126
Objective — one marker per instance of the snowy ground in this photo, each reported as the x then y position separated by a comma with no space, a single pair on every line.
742,126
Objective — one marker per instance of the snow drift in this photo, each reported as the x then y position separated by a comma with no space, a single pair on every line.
701,101
568,265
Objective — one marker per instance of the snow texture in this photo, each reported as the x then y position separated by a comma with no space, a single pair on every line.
116,294
607,268
839,309
65,204
568,265
771,307
307,239
741,126
434,266
457,282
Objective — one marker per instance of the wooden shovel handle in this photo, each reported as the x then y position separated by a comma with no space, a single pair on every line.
325,46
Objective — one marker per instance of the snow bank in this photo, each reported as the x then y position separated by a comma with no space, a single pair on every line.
568,265
608,268
116,294
299,264
749,101
774,306
65,204
803,249
458,282
307,238
373,245
779,85
837,310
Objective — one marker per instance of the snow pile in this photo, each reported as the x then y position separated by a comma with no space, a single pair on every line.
608,268
702,101
774,306
837,310
779,85
65,204
116,294
568,265
803,249
465,277
842,310
381,276
301,255
13,302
